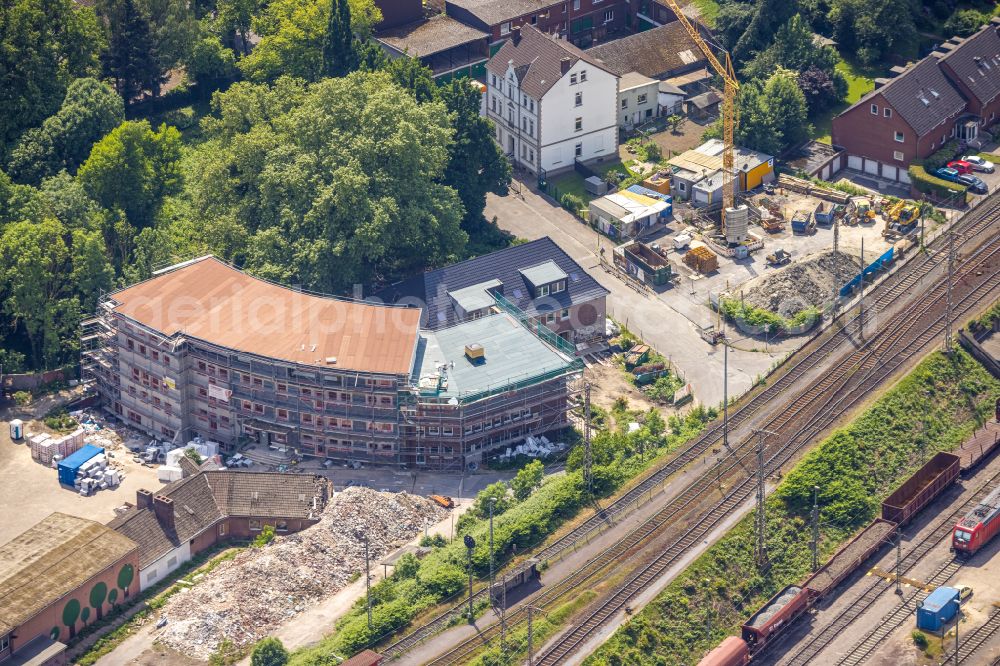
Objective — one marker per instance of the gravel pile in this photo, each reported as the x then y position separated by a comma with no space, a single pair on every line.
243,599
800,285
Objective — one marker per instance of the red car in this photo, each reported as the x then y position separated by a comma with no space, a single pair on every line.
960,166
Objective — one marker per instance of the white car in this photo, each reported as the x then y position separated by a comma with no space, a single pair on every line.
964,592
979,164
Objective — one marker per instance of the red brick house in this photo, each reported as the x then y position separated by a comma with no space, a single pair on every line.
951,94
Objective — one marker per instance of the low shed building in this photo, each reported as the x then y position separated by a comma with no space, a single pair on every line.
59,576
625,214
199,511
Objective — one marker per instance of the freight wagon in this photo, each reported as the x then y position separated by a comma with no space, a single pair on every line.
850,557
917,491
978,526
783,607
733,651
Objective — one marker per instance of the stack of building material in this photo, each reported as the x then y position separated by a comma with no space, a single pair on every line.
701,259
41,448
244,599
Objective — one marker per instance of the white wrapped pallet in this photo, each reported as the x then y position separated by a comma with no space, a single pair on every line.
169,473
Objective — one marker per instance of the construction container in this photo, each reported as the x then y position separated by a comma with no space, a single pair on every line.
701,259
917,492
733,651
16,429
937,609
850,557
69,467
783,607
802,222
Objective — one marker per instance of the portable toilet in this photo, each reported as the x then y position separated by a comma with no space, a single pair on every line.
16,429
937,609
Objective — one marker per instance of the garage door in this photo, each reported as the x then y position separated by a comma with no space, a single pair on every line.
889,171
825,174
854,162
904,176
871,166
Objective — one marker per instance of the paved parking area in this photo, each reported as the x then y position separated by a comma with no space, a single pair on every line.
669,320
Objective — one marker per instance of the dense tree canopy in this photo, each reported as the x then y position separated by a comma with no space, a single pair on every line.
44,44
338,182
90,110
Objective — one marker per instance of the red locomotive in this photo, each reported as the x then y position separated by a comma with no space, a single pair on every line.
978,526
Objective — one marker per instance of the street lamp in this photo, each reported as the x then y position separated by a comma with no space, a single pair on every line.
493,501
470,544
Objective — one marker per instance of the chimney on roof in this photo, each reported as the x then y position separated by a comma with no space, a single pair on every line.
880,81
163,507
564,65
515,35
896,71
143,499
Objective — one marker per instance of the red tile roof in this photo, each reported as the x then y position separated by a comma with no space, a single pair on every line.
212,301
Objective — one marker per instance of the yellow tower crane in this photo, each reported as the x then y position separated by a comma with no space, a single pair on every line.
730,117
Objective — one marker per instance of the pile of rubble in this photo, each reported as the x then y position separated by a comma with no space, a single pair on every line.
812,282
245,598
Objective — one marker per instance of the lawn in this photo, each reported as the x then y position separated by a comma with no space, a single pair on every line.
860,81
708,10
569,183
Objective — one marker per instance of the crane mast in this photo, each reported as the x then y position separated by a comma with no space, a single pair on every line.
730,116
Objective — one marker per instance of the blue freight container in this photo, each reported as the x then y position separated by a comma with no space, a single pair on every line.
937,609
69,467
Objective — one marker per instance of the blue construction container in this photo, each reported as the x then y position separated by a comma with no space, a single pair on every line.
937,609
69,467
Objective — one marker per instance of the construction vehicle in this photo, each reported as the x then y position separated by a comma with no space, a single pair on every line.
779,258
730,115
443,501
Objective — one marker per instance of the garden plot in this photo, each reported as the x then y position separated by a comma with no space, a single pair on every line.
811,282
243,599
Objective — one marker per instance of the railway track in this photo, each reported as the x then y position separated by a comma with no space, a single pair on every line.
874,368
864,362
808,358
942,530
974,640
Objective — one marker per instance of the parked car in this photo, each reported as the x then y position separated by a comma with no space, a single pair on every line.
960,166
964,591
947,174
975,183
980,164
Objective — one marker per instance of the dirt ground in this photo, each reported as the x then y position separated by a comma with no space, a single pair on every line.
811,281
29,492
608,383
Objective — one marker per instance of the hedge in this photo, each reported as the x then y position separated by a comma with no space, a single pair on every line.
924,182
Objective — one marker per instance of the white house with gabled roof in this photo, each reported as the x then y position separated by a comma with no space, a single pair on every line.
551,103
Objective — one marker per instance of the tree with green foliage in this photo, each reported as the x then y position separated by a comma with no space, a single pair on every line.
98,594
476,163
209,63
498,490
964,22
346,173
133,168
527,479
339,57
174,30
294,38
131,58
873,30
265,537
92,273
235,17
44,44
732,22
787,107
768,17
34,261
407,566
90,110
269,652
414,77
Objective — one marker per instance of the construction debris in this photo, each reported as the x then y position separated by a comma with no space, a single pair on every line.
812,282
245,598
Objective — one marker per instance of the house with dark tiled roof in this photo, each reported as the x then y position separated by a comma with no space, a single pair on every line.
538,277
551,103
447,46
953,93
658,53
209,507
